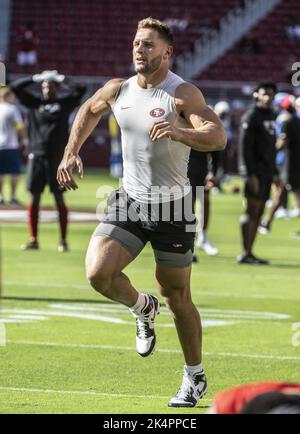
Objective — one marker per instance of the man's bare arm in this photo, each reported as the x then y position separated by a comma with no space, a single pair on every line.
281,144
206,132
23,139
85,122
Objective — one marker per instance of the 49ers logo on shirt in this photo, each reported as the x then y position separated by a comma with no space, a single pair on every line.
157,112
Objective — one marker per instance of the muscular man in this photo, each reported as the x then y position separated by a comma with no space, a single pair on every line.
161,118
258,141
48,132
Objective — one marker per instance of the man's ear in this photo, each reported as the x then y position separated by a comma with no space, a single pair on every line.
169,51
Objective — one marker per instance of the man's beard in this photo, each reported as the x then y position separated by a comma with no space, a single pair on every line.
149,68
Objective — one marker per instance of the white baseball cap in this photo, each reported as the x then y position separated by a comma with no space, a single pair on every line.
49,76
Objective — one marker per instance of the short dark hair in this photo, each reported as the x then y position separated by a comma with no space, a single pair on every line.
266,85
152,23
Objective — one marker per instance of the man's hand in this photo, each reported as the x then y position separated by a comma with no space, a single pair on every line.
65,169
254,184
163,129
210,182
277,181
24,147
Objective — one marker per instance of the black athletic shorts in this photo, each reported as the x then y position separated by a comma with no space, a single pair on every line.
264,192
42,171
10,162
197,170
169,227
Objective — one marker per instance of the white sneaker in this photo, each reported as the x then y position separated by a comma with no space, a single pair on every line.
294,213
264,229
209,249
199,241
145,334
193,388
282,213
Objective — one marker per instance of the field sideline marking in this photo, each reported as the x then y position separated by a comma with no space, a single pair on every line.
228,317
203,293
87,392
202,272
116,347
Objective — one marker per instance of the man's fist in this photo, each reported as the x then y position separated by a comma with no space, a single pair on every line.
65,171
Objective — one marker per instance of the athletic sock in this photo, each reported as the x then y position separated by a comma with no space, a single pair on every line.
139,305
196,369
63,221
33,213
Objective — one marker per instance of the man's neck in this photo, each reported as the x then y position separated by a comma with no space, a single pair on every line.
152,80
260,106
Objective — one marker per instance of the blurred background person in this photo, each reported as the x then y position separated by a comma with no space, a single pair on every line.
202,169
13,139
28,41
222,109
258,141
290,139
281,191
48,131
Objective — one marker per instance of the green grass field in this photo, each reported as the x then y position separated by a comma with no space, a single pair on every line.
68,350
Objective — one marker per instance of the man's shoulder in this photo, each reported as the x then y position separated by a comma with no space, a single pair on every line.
187,94
184,88
251,117
292,126
251,112
112,86
8,109
110,90
294,120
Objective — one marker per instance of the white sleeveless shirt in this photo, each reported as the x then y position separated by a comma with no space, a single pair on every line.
151,169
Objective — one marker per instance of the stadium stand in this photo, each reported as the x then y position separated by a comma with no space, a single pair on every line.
82,38
274,57
93,40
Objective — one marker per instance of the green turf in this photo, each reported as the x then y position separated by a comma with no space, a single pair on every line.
96,359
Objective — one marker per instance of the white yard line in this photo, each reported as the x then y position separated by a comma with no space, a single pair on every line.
117,347
80,392
211,317
43,285
219,313
87,392
194,291
137,268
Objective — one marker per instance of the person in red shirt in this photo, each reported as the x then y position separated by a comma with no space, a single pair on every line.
27,54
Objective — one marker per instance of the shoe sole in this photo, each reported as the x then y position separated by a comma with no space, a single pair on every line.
211,254
257,264
62,250
153,344
26,249
189,405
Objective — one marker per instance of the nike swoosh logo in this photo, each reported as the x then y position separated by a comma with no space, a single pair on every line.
124,108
